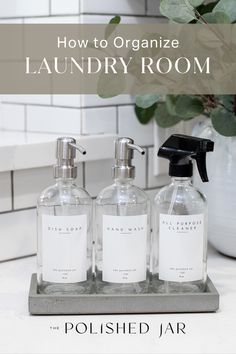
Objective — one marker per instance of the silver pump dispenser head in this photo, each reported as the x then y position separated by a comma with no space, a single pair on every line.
124,152
65,155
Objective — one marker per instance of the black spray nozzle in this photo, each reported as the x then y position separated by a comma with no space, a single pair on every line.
180,149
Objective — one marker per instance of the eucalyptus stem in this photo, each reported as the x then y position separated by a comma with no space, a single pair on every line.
235,104
199,16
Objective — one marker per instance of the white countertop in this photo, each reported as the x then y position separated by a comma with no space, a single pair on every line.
21,150
205,333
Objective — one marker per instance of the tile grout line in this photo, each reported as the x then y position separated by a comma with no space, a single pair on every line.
81,119
83,173
70,107
55,132
147,165
147,146
117,120
25,118
76,14
17,210
120,14
50,7
18,258
12,191
146,7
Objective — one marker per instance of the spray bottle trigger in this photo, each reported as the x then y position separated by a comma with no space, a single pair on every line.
201,165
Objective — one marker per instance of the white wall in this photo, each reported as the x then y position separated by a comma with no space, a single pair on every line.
71,114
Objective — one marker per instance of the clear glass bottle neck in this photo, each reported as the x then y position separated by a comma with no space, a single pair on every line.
181,180
124,181
65,181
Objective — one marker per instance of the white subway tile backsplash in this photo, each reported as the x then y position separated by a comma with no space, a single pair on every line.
18,235
97,19
23,8
66,100
53,120
11,21
104,19
92,100
160,166
53,20
12,117
152,194
139,162
28,99
132,7
130,126
5,191
99,120
28,184
98,175
60,7
69,114
95,100
80,174
155,181
141,20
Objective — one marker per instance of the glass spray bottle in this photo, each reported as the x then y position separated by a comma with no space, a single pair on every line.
122,224
180,219
64,213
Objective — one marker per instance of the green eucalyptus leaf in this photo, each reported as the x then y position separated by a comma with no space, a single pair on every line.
203,9
188,107
227,101
171,101
112,26
111,85
115,20
228,7
163,118
146,101
216,17
178,10
196,3
144,115
224,121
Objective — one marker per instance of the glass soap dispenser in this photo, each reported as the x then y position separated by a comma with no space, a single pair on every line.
64,215
180,219
122,224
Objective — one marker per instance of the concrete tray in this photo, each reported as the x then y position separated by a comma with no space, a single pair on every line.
43,304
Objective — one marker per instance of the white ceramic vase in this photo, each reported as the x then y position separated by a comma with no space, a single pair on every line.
221,189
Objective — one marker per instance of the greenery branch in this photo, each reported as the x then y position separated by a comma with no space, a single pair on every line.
221,109
168,110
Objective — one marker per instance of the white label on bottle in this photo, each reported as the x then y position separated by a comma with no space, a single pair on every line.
64,248
124,248
181,246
